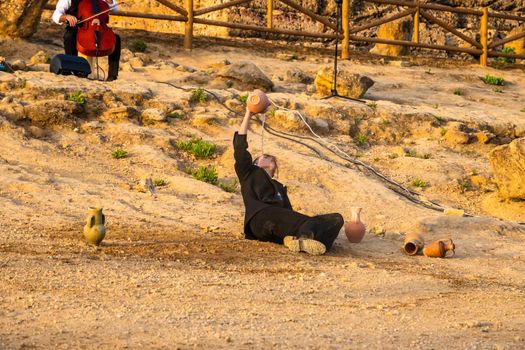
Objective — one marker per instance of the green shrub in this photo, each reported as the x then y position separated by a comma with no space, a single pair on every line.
507,59
417,182
139,46
159,182
243,99
205,174
442,131
498,90
372,105
522,110
393,156
198,96
360,139
199,148
118,154
78,98
492,80
410,153
21,83
228,187
457,92
175,115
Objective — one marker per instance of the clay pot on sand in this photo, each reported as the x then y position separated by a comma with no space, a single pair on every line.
257,102
440,249
413,243
94,230
355,229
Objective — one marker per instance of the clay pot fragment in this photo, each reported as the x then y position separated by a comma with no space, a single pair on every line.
413,243
440,249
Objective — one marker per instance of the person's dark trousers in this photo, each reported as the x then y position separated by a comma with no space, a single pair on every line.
272,224
70,47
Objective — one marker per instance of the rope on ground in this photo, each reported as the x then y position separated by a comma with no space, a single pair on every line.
412,196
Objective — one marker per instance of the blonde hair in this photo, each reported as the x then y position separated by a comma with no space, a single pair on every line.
274,158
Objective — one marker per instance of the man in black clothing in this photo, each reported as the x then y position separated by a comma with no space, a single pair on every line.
269,214
67,12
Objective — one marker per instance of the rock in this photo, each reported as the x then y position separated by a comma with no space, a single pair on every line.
136,62
455,134
40,58
153,115
519,131
204,120
453,212
296,75
508,166
246,76
20,18
400,29
37,132
118,114
197,78
484,136
12,109
18,65
399,63
50,112
126,55
288,119
234,104
127,67
320,125
348,84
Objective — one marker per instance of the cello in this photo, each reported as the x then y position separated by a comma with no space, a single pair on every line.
95,38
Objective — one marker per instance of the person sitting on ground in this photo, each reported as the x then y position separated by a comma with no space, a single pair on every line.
269,215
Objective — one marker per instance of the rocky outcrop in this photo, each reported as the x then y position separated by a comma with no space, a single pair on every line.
245,76
400,29
20,18
508,166
348,84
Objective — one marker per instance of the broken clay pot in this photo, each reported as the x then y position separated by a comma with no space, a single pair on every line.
95,229
413,243
440,249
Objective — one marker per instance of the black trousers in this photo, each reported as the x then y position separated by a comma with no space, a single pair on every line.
70,46
272,224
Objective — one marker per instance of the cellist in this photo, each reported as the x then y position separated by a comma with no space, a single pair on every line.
66,12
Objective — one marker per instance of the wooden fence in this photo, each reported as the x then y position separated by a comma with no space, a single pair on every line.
416,9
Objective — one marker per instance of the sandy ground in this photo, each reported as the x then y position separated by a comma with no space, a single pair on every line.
175,271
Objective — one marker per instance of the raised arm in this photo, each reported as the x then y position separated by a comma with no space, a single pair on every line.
243,158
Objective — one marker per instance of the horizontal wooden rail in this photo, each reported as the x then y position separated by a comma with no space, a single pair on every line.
382,21
506,16
309,13
503,54
449,28
219,7
150,16
263,29
411,43
174,7
506,40
428,6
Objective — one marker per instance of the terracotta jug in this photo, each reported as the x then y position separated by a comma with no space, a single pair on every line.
355,229
257,102
94,230
440,249
413,243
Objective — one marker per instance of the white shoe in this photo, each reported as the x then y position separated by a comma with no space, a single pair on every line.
307,245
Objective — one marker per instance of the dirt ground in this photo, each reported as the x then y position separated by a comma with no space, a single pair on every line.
174,270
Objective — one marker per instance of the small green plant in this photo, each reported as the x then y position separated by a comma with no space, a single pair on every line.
119,154
160,182
436,106
139,46
229,83
458,92
498,90
410,153
417,182
464,185
271,112
377,159
492,80
361,139
372,105
442,131
243,99
507,59
175,115
199,148
21,83
522,110
78,98
205,174
426,156
228,187
198,96
393,156
439,120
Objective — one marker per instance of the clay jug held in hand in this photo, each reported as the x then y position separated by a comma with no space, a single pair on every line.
440,249
94,230
355,229
413,243
257,102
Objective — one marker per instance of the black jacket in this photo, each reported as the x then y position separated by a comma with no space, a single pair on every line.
258,189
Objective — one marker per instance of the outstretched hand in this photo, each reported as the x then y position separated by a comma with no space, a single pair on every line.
243,129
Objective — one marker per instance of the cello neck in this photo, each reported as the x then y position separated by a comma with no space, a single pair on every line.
98,14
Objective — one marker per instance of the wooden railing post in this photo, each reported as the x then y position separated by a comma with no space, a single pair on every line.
484,37
345,49
415,37
188,27
269,14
